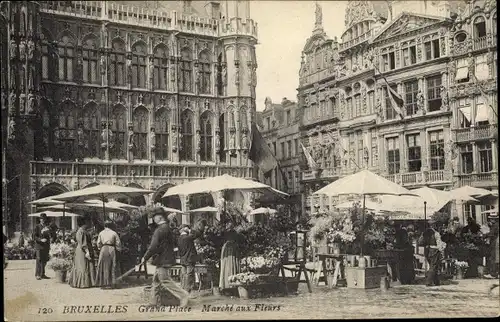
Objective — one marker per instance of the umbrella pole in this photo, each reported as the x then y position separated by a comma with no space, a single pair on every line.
103,211
425,228
64,213
363,226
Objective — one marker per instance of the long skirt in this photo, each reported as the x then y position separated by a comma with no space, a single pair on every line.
83,271
229,263
107,267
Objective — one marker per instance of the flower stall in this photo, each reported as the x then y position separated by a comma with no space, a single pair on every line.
61,260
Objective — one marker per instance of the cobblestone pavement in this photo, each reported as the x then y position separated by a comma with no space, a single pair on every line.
27,299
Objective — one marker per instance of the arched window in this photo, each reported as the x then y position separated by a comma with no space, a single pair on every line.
92,130
45,61
140,118
67,131
119,129
117,67
66,59
139,65
187,136
161,132
222,135
205,72
220,82
206,137
186,75
479,27
160,71
44,142
90,61
243,118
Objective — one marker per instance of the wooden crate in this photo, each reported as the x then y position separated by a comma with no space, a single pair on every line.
364,278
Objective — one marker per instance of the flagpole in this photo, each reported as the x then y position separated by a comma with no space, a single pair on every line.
484,94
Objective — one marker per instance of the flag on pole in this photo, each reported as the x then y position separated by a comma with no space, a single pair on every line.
261,154
485,97
397,100
310,161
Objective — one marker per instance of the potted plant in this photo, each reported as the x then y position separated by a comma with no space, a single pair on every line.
261,265
460,269
61,259
60,266
244,282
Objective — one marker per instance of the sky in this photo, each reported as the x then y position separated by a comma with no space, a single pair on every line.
283,28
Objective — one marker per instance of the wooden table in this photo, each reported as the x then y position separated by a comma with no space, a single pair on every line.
300,267
326,261
199,270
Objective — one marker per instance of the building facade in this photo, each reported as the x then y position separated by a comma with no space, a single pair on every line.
349,122
279,125
109,92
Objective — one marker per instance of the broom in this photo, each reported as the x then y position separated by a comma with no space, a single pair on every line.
127,273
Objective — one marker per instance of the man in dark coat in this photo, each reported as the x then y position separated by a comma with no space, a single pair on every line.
161,250
432,253
41,236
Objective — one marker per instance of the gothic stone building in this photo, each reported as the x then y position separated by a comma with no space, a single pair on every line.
348,120
114,93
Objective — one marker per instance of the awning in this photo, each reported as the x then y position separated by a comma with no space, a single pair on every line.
466,111
482,71
482,113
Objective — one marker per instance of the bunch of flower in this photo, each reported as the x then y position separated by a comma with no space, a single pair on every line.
461,264
279,247
321,226
207,253
60,264
61,250
247,278
259,264
340,236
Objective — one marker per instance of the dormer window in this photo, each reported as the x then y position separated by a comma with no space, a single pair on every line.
389,62
479,27
409,56
432,49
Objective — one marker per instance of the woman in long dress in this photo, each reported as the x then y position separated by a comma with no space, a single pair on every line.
109,243
230,257
83,272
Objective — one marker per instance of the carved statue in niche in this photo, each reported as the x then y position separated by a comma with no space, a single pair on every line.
198,141
22,103
172,71
237,75
80,136
31,103
151,71
452,69
470,63
57,135
232,141
13,49
444,97
129,69
12,103
103,64
217,141
131,137
379,109
79,67
420,101
224,74
152,139
244,141
22,50
31,49
12,130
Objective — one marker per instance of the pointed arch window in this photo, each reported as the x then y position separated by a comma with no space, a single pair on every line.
160,68
220,83
230,118
206,137
119,129
187,136
222,138
66,56
117,67
92,130
186,74
46,140
45,61
243,118
67,131
139,65
90,61
205,72
161,133
140,118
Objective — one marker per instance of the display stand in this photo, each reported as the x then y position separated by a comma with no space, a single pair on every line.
327,263
299,239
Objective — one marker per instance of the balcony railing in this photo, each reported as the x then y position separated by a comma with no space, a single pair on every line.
321,174
151,171
356,40
488,179
420,177
482,132
480,43
320,116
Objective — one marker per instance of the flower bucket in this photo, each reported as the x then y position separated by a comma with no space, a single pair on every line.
244,292
335,248
216,291
481,271
460,274
61,276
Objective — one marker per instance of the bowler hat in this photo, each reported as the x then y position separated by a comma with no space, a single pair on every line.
43,215
157,211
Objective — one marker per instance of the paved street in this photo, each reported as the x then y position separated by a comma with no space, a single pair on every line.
25,296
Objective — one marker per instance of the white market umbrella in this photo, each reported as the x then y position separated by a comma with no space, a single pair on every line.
470,192
363,183
205,209
370,205
113,203
168,209
46,201
220,183
53,214
101,192
263,210
84,206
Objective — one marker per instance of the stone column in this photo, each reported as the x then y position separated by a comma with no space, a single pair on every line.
185,209
403,157
494,155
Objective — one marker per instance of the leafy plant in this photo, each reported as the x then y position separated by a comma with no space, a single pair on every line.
259,264
60,264
241,279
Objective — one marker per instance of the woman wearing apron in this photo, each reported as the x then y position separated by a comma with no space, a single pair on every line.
107,267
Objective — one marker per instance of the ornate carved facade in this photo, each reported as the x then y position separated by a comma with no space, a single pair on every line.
116,96
349,122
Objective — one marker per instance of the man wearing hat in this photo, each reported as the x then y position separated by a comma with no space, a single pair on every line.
161,250
433,252
41,236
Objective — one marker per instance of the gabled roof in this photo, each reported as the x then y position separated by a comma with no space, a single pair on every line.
316,40
406,21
